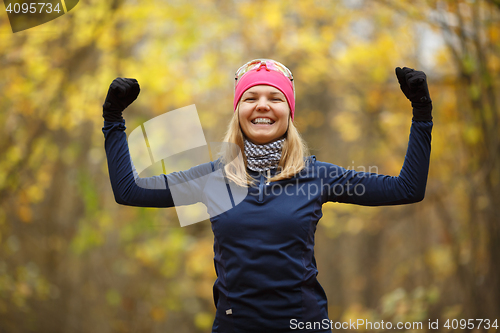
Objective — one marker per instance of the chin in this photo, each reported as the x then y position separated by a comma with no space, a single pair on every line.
265,139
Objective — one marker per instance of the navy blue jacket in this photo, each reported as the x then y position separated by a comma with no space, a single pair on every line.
264,246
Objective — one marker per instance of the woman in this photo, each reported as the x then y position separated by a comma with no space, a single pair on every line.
264,245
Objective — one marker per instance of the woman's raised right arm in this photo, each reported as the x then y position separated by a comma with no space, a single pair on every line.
121,173
187,186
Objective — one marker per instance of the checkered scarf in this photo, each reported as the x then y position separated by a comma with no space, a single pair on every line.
263,157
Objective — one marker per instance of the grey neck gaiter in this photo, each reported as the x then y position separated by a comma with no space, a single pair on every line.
263,157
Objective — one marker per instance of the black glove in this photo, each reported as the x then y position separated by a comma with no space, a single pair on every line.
122,92
414,85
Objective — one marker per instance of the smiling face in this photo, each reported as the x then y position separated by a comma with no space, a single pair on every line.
263,114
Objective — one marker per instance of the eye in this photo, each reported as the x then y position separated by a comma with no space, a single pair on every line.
250,99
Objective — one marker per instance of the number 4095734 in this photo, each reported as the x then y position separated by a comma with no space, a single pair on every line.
471,324
32,8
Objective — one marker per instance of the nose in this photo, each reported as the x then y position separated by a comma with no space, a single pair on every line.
263,104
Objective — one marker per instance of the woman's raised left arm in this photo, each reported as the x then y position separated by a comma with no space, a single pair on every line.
373,189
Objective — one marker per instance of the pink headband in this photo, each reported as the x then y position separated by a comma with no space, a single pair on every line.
268,77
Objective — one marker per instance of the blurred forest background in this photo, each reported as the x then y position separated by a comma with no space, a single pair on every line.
73,260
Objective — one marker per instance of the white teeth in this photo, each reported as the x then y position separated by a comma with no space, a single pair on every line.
262,121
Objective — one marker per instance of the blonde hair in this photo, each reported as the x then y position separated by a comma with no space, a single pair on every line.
293,155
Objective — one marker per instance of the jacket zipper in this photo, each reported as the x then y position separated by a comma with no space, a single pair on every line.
261,188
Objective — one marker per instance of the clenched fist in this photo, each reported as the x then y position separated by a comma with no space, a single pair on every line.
414,85
122,92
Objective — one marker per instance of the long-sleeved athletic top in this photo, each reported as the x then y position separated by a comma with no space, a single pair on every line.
264,245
